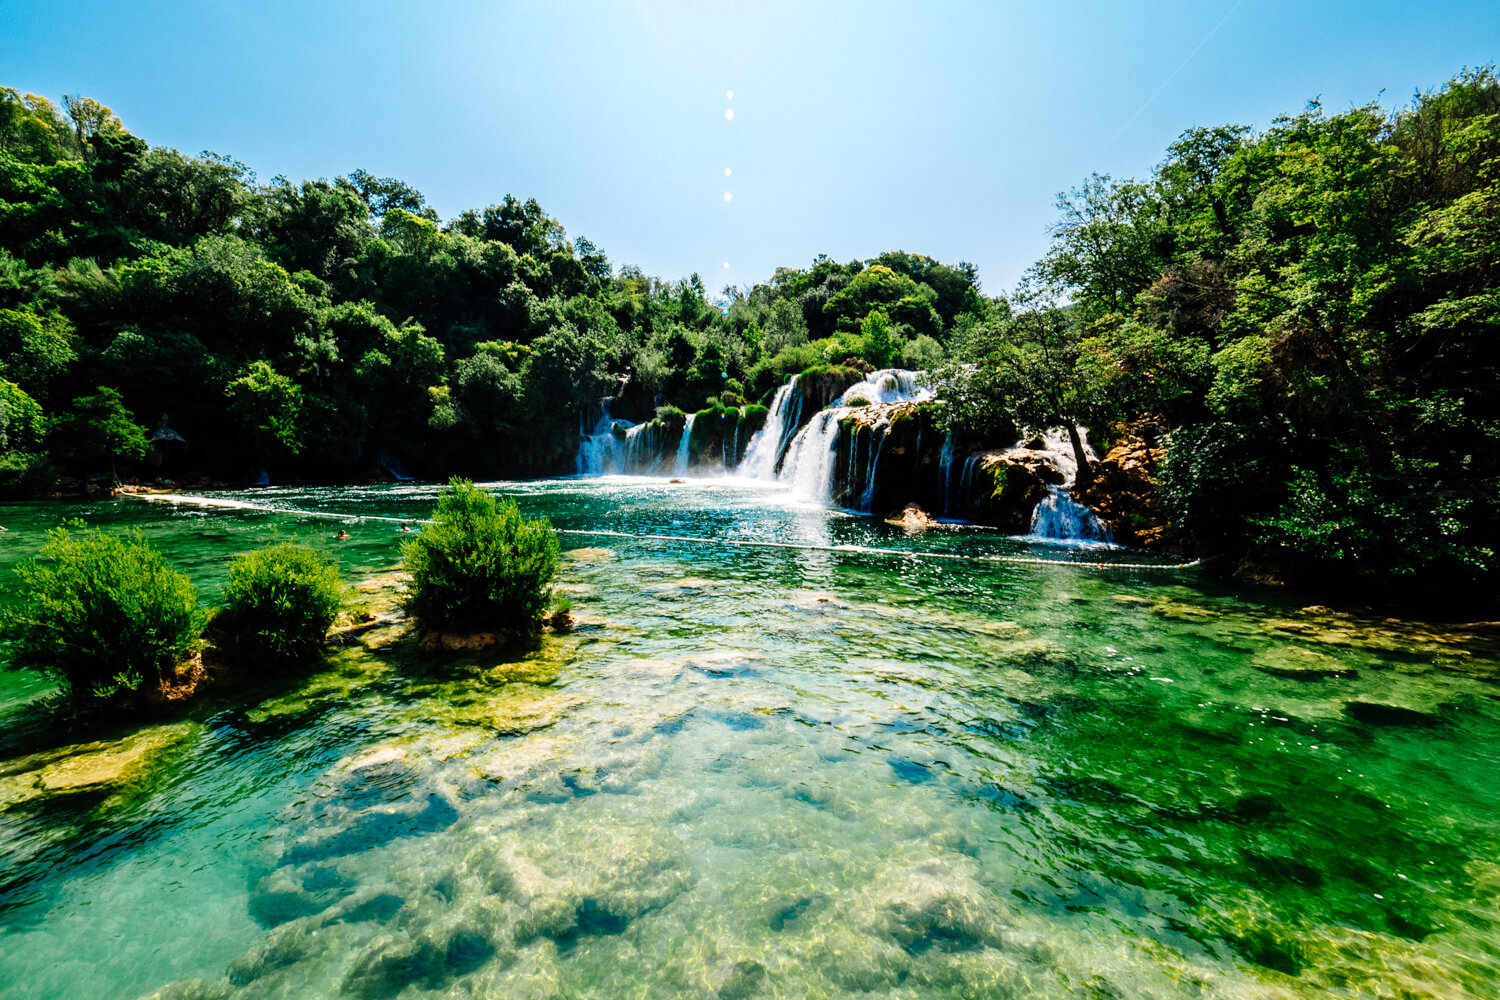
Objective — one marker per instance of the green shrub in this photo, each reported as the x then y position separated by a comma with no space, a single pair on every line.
479,565
101,613
670,416
280,602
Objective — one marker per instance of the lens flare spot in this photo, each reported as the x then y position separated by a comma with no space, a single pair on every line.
729,114
726,171
726,263
729,196
728,95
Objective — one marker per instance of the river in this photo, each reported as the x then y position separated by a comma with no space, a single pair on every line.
769,772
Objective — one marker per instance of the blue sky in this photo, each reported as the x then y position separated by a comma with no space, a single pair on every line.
939,128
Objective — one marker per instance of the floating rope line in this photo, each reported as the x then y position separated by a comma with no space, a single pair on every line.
863,550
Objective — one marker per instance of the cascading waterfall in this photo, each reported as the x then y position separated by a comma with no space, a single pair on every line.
768,444
1059,451
1061,518
599,451
877,444
945,470
807,466
639,456
680,466
809,458
966,484
802,457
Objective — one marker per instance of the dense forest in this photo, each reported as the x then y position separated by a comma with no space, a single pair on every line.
1303,318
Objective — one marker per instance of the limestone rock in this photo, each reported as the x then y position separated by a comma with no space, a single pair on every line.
911,518
1123,491
1009,486
88,766
937,904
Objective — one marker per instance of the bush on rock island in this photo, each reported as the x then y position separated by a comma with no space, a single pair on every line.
479,566
101,613
279,603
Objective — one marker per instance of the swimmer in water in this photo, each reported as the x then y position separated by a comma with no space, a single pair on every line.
341,535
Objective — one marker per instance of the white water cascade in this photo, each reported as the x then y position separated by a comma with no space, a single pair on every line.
801,457
808,465
680,465
945,471
1061,518
768,444
599,451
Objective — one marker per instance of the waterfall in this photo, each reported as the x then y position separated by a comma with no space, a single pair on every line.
966,484
867,497
809,457
599,451
889,385
945,471
1061,518
803,459
639,456
1059,451
680,467
768,444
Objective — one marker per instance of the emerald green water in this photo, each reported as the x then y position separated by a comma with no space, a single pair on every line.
772,773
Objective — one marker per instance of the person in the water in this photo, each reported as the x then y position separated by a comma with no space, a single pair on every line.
341,535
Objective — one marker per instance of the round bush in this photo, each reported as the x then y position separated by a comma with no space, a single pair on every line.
479,565
101,613
280,602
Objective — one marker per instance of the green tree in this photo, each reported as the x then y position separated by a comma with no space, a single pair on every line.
99,428
876,331
280,602
269,403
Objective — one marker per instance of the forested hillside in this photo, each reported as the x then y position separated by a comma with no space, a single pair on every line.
1304,318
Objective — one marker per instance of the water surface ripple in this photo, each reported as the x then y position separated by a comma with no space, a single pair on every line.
773,773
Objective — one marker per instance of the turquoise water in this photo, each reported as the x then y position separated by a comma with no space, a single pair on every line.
770,773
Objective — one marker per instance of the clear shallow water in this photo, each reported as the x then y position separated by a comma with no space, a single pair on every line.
775,773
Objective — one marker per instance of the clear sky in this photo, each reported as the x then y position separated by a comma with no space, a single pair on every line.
939,128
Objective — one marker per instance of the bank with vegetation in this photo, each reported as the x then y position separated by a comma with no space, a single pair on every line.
1279,340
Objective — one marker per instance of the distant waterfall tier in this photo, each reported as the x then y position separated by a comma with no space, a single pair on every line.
871,443
675,444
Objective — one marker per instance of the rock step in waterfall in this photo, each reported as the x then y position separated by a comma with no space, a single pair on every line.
865,443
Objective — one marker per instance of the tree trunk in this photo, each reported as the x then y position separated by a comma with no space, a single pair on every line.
1085,477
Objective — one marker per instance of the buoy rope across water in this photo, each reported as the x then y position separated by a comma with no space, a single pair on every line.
863,550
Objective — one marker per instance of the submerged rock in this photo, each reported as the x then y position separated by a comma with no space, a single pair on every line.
1383,712
88,766
936,905
591,555
193,989
1301,664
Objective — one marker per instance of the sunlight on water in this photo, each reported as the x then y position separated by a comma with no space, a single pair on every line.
775,773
